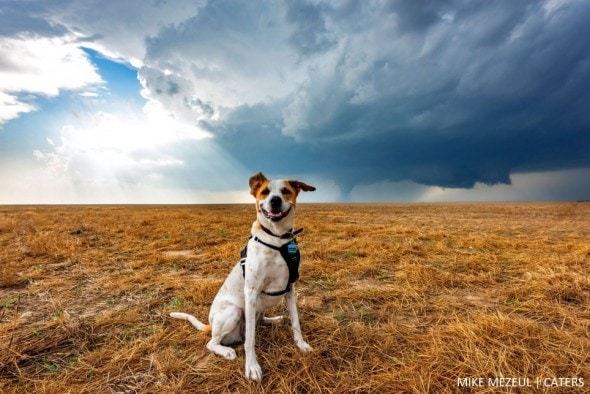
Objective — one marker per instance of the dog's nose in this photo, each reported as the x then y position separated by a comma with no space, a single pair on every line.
276,202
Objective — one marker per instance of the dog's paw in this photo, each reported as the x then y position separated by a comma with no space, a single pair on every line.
229,354
253,371
304,346
224,351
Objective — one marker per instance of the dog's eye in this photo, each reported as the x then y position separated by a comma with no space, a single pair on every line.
265,192
286,191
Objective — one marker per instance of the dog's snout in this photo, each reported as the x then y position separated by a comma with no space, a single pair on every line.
276,202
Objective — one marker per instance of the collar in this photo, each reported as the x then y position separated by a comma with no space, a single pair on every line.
288,235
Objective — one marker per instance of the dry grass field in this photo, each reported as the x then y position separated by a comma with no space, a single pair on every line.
394,298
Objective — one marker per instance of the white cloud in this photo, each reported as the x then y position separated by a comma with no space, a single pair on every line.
137,155
107,147
36,65
42,65
123,26
51,60
11,107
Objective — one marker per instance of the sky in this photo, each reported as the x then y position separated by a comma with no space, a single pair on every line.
161,101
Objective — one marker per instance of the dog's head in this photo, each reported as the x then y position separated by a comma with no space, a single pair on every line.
275,200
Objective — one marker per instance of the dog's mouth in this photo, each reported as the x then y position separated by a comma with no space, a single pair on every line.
275,214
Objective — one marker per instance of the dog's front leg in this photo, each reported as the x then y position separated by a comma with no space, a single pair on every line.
294,316
253,370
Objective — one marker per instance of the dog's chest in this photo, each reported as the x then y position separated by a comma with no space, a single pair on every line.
266,269
266,263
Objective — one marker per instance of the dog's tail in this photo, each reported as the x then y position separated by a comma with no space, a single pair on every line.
193,320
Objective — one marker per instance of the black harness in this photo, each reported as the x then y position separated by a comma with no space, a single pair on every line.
289,252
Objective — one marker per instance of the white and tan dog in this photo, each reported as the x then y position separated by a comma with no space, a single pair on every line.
264,277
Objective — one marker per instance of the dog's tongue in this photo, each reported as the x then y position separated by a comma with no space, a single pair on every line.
275,214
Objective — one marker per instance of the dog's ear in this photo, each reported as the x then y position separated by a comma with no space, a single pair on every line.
255,182
300,186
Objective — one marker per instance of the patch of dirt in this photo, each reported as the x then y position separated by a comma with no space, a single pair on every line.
312,302
480,300
366,283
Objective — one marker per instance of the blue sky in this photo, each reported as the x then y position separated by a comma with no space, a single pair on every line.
181,101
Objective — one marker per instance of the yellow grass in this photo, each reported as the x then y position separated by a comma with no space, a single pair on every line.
393,298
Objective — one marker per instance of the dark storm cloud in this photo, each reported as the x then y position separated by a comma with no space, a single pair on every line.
311,34
252,134
416,16
500,87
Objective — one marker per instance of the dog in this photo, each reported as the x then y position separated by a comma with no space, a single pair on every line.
264,276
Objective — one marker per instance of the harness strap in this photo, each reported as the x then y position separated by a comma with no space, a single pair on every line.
278,293
264,243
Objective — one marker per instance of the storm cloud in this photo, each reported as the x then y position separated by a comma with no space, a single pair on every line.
440,93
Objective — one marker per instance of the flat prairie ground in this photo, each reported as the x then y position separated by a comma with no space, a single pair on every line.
409,298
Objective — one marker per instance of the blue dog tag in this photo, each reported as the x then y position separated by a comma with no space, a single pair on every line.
292,248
